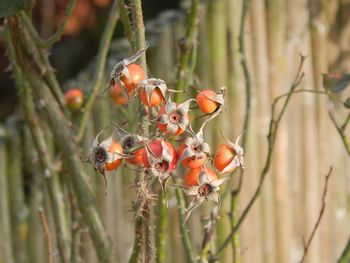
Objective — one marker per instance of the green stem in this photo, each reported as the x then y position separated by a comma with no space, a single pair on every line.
101,63
188,43
161,231
126,22
186,241
5,222
345,256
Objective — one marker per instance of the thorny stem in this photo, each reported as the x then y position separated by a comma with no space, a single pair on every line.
235,192
271,137
63,134
126,22
318,221
46,162
188,43
47,234
45,66
101,63
143,237
60,30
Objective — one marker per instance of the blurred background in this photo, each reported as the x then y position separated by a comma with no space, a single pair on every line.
276,32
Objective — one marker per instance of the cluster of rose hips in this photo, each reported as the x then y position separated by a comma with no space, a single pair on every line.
156,155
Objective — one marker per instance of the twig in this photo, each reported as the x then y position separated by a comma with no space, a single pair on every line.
47,234
161,231
187,43
340,129
317,224
60,30
101,63
271,137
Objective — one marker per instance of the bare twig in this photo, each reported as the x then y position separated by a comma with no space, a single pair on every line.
235,192
318,221
47,234
340,128
101,63
271,137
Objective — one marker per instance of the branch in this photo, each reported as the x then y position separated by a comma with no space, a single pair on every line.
60,30
271,137
317,224
47,234
101,63
37,134
64,137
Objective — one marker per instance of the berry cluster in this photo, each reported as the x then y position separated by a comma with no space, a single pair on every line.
157,155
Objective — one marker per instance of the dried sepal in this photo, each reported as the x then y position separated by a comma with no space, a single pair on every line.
195,145
120,69
206,190
219,98
174,117
238,160
150,84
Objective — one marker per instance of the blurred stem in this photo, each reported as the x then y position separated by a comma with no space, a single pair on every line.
234,193
184,71
345,256
101,63
161,231
271,137
44,63
60,30
5,223
47,235
184,232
